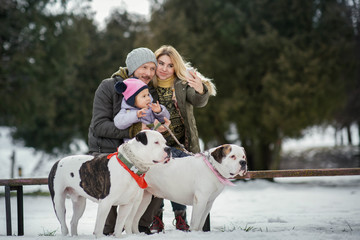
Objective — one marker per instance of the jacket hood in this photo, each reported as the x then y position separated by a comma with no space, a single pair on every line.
208,83
122,72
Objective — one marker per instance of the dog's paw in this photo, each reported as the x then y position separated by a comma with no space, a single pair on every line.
99,235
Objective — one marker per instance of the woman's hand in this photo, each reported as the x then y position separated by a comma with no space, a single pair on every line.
195,82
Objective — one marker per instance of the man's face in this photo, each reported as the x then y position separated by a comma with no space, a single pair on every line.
145,72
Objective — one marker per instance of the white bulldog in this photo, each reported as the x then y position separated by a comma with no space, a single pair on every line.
104,179
194,180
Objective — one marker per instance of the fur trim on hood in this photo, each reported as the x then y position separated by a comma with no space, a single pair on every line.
122,72
208,83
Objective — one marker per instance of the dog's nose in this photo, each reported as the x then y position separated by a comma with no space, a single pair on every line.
168,151
243,164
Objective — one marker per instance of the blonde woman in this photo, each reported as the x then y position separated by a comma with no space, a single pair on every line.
180,88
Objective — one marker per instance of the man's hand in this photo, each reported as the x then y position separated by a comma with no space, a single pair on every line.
144,127
162,129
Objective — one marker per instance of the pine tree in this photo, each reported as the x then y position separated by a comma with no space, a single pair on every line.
278,65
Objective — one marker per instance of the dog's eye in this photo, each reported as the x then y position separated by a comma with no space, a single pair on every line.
157,142
233,157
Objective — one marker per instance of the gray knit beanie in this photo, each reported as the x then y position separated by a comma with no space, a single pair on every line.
138,57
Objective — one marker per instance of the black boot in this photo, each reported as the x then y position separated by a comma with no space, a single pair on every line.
145,230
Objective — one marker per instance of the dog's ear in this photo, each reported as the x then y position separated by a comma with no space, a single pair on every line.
244,151
141,137
221,152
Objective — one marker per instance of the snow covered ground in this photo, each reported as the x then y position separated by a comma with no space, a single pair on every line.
289,208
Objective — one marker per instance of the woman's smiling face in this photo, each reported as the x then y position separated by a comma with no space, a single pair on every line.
165,68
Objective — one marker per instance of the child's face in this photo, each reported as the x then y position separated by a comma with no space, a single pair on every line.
142,100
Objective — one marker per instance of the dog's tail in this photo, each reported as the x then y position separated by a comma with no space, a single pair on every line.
51,180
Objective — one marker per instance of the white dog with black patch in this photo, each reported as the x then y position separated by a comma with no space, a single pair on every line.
194,180
115,179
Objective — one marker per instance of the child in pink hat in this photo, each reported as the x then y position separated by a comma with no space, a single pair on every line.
137,105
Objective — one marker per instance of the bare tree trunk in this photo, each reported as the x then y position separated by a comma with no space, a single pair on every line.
262,156
12,168
341,138
335,136
358,126
348,130
276,159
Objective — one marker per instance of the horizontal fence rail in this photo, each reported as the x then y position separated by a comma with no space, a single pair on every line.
300,173
250,174
23,181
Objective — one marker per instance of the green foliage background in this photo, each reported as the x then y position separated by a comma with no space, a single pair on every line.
279,66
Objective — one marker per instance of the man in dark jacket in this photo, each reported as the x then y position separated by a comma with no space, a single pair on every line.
103,136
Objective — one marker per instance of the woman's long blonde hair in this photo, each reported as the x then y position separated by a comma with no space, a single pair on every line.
180,66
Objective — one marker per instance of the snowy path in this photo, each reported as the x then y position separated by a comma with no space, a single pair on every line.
292,208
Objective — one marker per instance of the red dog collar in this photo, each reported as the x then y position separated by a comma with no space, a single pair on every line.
140,179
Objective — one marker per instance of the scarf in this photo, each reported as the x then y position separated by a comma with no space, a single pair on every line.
167,83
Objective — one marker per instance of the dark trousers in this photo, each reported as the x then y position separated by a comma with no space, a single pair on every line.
152,210
157,204
177,206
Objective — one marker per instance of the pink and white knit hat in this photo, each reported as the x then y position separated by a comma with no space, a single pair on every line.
130,88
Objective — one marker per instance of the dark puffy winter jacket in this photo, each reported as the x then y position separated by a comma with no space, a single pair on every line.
103,136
